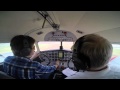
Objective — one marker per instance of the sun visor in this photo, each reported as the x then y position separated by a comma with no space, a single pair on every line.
60,35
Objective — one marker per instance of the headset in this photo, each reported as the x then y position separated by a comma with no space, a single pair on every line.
81,61
26,47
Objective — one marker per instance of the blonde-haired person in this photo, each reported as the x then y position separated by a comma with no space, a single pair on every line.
91,55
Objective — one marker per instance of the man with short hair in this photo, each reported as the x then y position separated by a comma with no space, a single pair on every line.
91,55
22,64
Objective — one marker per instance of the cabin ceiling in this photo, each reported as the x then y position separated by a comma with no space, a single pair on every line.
104,23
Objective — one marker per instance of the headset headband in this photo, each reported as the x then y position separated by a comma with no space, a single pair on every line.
79,59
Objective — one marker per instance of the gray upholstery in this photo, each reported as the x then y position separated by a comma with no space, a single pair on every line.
5,76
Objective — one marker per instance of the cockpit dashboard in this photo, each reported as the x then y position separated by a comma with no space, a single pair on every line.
49,57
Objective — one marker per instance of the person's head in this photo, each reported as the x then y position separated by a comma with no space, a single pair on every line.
91,52
22,45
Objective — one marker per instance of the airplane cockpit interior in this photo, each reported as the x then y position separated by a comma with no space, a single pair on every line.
55,33
49,57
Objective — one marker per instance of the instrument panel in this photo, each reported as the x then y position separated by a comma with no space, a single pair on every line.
64,56
54,55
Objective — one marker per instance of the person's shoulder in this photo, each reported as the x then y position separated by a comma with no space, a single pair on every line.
114,71
114,68
35,63
9,58
75,76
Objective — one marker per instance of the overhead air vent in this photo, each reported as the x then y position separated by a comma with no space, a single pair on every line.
38,33
78,31
36,19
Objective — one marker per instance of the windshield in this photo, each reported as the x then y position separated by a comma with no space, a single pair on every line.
5,49
45,45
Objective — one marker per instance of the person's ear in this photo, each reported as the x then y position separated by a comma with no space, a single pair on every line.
34,47
72,47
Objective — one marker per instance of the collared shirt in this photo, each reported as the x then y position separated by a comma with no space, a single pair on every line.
24,68
111,72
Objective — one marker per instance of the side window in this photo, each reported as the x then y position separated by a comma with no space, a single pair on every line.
5,51
116,49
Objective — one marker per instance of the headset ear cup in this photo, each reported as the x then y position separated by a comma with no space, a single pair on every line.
80,60
15,52
78,64
26,48
25,52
